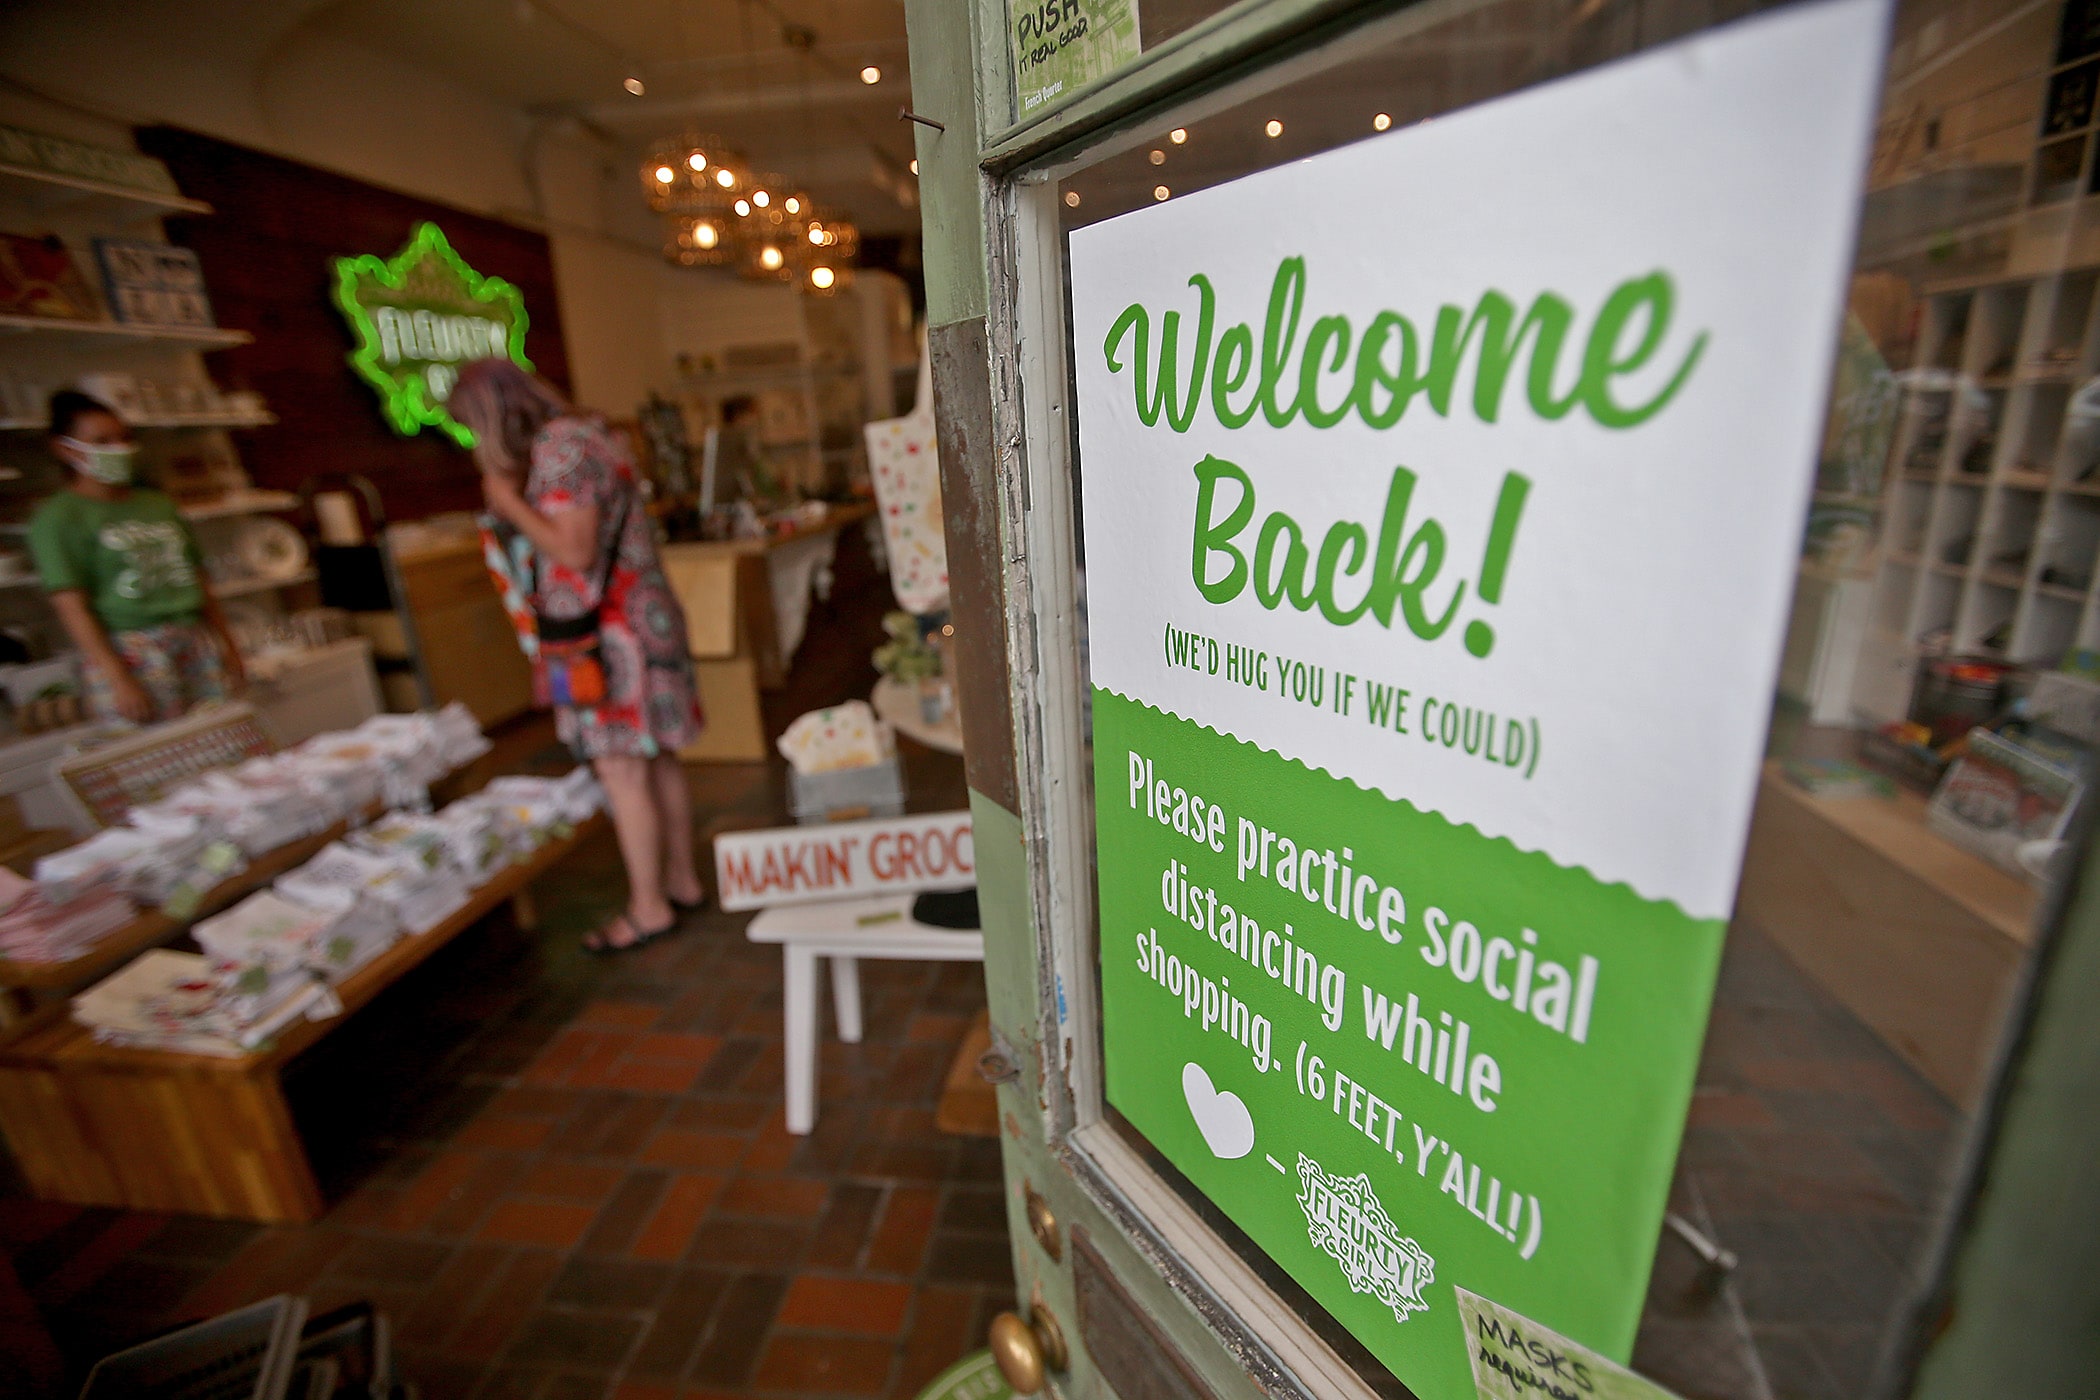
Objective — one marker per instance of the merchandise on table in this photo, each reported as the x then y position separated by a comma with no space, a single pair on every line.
260,940
419,896
173,1001
35,930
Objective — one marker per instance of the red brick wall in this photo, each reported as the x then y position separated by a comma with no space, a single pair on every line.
268,254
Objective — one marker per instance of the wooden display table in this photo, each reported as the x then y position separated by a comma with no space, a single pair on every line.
159,1130
898,703
1918,938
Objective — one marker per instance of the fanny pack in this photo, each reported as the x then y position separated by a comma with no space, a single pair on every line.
572,658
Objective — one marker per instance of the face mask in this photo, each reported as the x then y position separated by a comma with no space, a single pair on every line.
110,465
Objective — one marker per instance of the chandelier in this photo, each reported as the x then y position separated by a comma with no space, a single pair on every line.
700,240
693,174
719,213
830,243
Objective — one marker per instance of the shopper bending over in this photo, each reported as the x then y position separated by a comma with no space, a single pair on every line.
623,689
125,576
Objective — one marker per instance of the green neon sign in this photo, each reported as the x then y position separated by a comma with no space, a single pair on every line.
418,316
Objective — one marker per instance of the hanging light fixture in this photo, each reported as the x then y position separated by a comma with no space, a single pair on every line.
700,240
692,173
830,243
769,226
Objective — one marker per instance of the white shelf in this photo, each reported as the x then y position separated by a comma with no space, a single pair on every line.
243,587
40,191
158,420
211,338
241,503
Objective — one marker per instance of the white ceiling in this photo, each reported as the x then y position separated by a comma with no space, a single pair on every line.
724,67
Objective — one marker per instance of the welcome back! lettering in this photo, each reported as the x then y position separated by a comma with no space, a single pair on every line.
1349,577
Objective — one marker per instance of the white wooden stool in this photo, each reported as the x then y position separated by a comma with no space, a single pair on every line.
844,931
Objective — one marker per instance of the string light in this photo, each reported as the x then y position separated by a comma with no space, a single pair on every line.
634,87
696,162
665,174
871,75
743,208
1071,199
725,177
821,278
914,165
1160,192
1381,122
1274,128
1158,157
771,258
1178,135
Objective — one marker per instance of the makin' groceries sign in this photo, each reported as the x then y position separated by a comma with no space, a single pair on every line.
1425,750
846,860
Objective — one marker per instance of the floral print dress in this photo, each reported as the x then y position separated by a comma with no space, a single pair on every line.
651,705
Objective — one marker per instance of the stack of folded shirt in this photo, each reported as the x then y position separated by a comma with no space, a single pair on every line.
477,835
359,926
156,854
419,895
459,736
33,929
544,807
175,1001
260,951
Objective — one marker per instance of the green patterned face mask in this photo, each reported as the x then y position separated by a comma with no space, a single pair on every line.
108,463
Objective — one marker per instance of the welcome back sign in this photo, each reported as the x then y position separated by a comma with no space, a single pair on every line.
1442,495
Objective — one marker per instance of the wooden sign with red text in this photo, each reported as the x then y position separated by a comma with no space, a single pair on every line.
846,860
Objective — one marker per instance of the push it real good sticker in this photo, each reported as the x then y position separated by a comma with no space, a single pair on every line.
1515,1358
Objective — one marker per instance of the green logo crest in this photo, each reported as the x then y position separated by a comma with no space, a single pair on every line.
418,316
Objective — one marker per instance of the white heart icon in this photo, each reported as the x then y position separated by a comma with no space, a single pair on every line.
1227,1126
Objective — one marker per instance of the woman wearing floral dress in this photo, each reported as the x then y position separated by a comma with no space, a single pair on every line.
567,488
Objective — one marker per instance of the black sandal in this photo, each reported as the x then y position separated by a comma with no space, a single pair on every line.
598,943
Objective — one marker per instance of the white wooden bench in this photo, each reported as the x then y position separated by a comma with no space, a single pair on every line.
845,931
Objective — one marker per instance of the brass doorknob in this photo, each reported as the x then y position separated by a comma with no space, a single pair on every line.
1025,1350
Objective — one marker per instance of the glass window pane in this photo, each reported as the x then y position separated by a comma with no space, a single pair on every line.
1947,586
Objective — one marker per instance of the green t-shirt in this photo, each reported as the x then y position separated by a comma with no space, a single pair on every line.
135,558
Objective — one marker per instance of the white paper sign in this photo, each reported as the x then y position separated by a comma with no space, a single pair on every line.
846,860
1688,215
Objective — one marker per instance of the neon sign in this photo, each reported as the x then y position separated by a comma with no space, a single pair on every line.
418,316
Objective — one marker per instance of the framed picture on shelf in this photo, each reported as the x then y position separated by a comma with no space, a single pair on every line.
39,278
153,284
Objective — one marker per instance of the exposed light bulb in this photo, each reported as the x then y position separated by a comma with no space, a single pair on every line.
664,174
770,258
914,165
634,87
725,177
871,75
1381,122
696,162
705,235
1178,135
816,234
793,205
1158,157
821,278
1160,191
1274,128
1071,199
761,198
743,208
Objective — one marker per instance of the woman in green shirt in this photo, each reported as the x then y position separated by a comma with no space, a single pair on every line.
125,576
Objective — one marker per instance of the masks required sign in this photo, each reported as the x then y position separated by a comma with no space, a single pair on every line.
1442,495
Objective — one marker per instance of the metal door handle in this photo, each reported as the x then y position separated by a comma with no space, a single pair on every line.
1026,1350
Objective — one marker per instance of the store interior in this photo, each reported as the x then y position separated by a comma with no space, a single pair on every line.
267,236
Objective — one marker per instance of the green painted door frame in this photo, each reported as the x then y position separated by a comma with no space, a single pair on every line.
2014,1304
